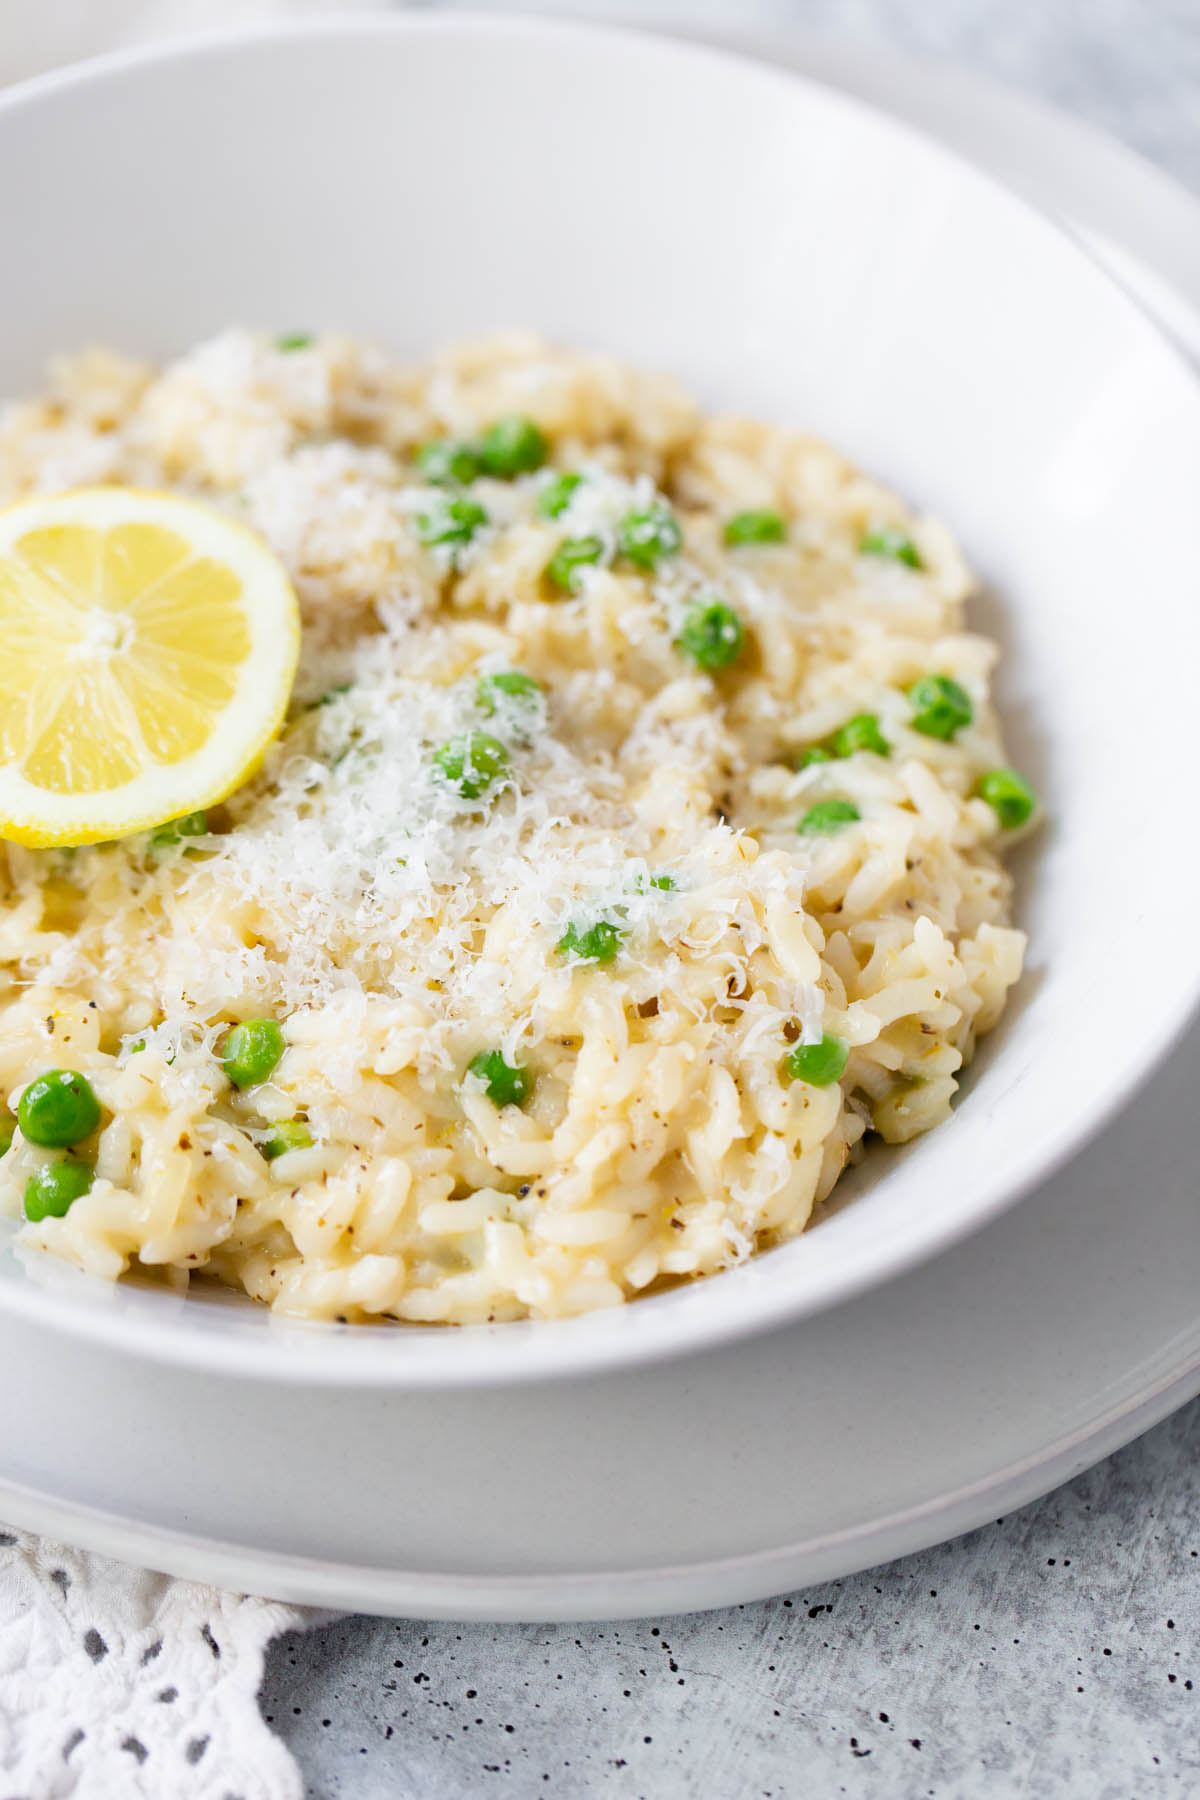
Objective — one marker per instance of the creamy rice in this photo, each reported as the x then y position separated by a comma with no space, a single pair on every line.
396,927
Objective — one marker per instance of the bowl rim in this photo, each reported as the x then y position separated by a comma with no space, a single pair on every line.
247,1340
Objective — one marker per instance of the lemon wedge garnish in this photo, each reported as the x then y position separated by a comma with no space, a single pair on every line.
147,650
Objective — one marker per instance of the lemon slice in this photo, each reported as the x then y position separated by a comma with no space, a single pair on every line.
147,651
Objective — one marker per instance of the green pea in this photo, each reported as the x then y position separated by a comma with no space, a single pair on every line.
295,340
940,706
711,636
452,522
646,536
897,545
58,1109
816,753
447,462
755,527
827,816
859,733
165,837
598,943
472,763
286,1135
509,689
52,1191
818,1064
251,1051
513,445
505,1084
1009,795
572,555
7,1128
557,495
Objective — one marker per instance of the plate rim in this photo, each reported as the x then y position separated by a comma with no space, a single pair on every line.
554,1596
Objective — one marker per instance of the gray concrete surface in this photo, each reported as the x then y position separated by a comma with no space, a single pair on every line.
1053,1653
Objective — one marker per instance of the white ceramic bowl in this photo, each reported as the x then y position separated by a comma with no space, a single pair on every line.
790,253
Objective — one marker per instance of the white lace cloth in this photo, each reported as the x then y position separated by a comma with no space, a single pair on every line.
117,1683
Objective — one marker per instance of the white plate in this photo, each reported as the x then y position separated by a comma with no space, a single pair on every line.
958,1392
866,283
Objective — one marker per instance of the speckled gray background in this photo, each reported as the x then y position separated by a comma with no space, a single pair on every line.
1053,1653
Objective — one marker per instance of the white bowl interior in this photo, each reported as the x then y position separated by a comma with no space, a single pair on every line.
789,253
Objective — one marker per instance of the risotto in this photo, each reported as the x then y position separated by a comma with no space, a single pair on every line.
628,855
